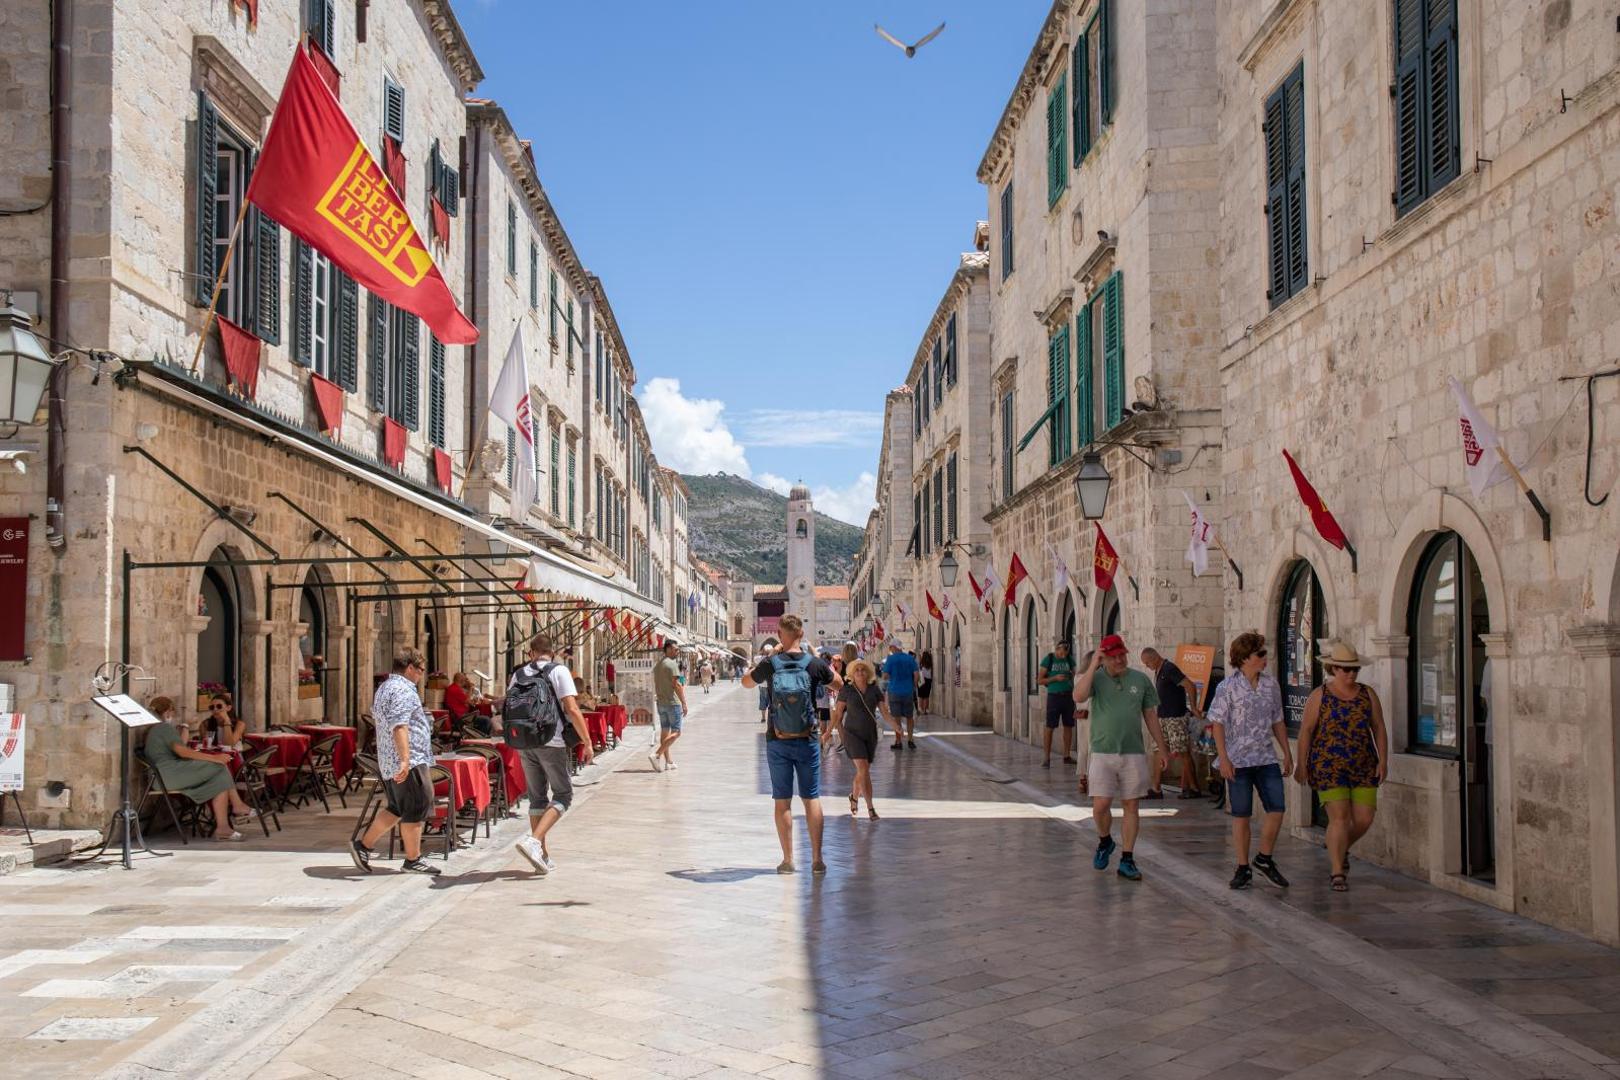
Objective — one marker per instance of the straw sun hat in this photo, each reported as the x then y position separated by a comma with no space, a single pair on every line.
1339,654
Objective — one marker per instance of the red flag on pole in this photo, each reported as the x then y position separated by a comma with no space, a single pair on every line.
877,630
1015,574
978,590
241,355
933,608
317,179
1321,516
1104,561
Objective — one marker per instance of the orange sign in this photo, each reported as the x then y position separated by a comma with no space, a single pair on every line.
1197,662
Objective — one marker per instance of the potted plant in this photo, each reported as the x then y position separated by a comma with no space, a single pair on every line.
309,684
206,692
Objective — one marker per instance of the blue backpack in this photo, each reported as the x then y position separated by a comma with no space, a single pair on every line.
792,696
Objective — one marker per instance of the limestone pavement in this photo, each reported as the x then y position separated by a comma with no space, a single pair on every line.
965,934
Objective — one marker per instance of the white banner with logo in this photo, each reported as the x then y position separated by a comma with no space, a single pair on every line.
11,751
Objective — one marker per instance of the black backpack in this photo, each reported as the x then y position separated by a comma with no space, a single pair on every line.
531,713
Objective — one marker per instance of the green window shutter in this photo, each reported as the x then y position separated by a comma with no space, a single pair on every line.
1294,224
1114,349
556,472
322,24
1007,445
377,351
939,371
1085,405
511,455
950,351
1275,128
266,236
393,111
1057,395
412,375
1035,428
436,417
534,276
347,367
1057,156
950,497
303,290
1007,231
1082,99
573,465
1408,95
1443,147
207,164
551,280
511,238
1107,84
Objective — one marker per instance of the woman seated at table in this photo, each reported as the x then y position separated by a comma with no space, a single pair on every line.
223,724
462,701
587,700
200,775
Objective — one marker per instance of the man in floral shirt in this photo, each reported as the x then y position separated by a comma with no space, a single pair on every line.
1247,719
404,753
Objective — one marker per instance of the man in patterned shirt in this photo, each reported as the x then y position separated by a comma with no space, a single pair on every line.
1247,718
404,753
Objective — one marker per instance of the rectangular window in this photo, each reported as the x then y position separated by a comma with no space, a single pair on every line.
250,289
1085,364
1428,143
511,238
950,498
393,112
939,371
1007,445
436,409
325,316
1057,141
916,415
1113,350
1285,188
922,392
551,280
919,524
1007,231
571,335
1057,395
939,509
556,472
534,276
950,350
573,465
320,19
394,356
601,367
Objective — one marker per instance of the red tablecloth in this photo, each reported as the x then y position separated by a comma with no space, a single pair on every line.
618,718
290,751
236,757
511,765
596,723
343,752
472,779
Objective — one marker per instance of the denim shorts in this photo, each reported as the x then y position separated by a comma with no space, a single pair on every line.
1060,709
669,717
794,759
1266,779
902,706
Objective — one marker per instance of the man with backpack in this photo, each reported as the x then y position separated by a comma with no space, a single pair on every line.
790,677
542,722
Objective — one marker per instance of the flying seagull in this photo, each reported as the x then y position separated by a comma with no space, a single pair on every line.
909,50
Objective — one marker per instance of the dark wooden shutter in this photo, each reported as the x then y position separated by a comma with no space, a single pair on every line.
939,370
556,472
1082,100
1085,402
266,237
377,351
1294,122
411,358
950,351
435,176
1057,159
346,341
1407,92
436,434
573,464
1442,146
1114,349
207,162
1007,231
939,508
303,298
322,24
1107,79
919,525
950,497
450,188
1276,125
1057,393
394,110
1007,445
534,276
511,466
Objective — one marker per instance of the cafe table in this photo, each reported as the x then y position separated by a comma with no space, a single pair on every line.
343,752
291,749
618,718
511,764
471,774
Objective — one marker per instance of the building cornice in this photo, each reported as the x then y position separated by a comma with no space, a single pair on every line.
974,264
453,40
1033,75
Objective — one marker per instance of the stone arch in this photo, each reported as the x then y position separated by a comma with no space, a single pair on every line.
1298,544
248,592
1438,512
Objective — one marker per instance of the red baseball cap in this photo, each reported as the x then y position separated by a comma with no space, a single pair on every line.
1112,645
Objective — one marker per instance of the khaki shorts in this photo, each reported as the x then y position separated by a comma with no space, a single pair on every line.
1117,776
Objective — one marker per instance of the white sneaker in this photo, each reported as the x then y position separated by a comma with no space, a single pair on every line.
529,848
657,762
671,766
546,861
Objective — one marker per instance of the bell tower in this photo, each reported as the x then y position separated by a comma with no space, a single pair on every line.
801,559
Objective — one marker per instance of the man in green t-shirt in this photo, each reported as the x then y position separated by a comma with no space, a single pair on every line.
671,696
1122,700
1057,675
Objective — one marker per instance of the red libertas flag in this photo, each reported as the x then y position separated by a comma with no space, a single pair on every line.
933,608
1015,575
1321,516
317,179
1104,561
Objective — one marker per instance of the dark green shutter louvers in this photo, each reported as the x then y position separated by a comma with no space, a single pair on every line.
1294,118
436,433
413,371
1106,66
347,368
303,289
377,351
207,156
1082,99
1114,349
1276,197
393,110
1085,403
266,236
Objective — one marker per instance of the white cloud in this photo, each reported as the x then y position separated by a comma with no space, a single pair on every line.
803,428
690,434
779,484
851,503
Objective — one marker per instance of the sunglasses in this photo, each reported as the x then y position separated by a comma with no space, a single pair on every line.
216,708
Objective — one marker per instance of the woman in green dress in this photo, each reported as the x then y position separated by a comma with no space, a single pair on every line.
199,775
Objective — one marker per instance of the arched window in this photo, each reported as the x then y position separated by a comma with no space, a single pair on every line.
219,646
1110,612
801,530
1301,623
1067,627
1030,685
1006,649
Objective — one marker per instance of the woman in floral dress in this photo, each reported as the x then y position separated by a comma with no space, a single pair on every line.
1343,754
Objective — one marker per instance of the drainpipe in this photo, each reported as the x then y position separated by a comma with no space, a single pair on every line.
61,237
473,169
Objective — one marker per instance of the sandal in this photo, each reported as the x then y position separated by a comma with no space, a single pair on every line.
871,812
854,806
1339,882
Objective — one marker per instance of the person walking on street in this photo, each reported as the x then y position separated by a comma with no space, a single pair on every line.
1057,675
1178,699
925,681
764,691
404,754
792,745
1343,754
1122,700
1247,719
901,671
855,720
1082,732
542,722
670,693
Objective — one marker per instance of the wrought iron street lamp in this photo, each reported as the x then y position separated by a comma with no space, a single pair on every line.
25,368
947,570
1091,486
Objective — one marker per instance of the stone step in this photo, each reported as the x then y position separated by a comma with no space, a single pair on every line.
49,846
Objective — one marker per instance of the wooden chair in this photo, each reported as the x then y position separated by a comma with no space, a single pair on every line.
189,814
321,771
497,785
256,784
367,774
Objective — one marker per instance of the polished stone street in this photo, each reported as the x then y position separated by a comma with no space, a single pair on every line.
963,935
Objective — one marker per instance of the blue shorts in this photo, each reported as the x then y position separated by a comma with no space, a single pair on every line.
1266,779
764,697
669,717
902,706
790,759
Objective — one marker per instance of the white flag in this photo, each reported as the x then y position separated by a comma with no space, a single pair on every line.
1198,542
992,587
1060,570
905,613
947,607
1485,466
510,402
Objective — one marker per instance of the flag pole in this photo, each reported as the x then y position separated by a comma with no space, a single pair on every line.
1236,569
1528,491
219,283
472,451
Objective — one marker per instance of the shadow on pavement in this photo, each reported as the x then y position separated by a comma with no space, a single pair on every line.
723,876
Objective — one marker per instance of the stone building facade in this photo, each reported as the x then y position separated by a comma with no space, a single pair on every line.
1103,189
1484,251
883,568
267,520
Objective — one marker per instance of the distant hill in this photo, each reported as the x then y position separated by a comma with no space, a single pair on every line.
741,527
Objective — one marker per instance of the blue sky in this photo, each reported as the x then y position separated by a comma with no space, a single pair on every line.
774,197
